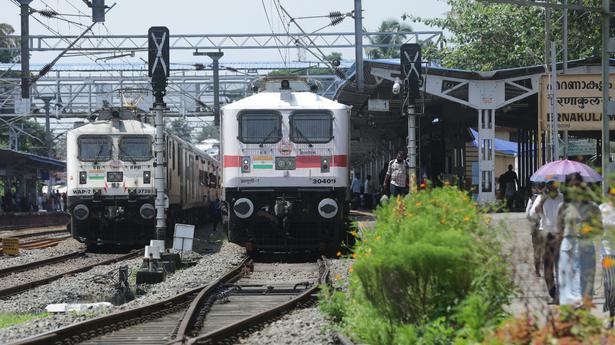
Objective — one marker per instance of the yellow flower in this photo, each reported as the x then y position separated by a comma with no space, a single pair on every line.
442,221
612,191
607,262
353,233
337,276
586,229
350,269
378,238
466,218
354,255
338,254
418,203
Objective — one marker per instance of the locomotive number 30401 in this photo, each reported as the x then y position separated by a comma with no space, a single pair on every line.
323,180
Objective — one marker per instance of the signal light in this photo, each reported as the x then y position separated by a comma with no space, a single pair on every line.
147,177
245,164
325,164
83,177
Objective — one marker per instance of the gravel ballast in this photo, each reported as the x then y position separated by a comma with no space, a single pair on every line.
302,326
27,256
71,289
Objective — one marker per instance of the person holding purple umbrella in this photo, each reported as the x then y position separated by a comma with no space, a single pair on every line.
545,208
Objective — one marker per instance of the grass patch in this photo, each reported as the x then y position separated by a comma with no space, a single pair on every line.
10,319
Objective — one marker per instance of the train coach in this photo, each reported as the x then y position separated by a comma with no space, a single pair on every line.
285,169
110,177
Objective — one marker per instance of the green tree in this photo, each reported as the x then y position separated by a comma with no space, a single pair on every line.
334,56
389,25
208,132
32,141
181,128
5,42
494,36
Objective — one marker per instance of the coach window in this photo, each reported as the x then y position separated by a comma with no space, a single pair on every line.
94,148
311,127
260,127
135,148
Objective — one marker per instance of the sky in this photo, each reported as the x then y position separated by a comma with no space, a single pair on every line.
207,16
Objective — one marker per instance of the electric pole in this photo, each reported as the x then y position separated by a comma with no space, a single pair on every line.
25,48
358,43
215,57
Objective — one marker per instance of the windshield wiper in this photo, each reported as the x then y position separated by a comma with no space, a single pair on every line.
131,158
99,153
273,130
304,137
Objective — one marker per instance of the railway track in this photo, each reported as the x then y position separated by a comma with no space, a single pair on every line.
226,308
15,289
44,238
40,263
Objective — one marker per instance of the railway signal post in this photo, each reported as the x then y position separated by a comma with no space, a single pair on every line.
158,71
412,78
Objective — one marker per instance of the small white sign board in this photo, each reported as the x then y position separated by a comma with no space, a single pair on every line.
183,237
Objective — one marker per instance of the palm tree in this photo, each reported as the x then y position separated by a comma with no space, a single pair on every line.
389,25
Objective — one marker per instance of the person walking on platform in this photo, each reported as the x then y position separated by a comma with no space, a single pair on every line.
367,193
355,188
545,208
537,237
508,185
607,257
578,220
397,175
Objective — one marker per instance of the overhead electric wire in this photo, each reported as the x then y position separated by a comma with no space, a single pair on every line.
273,32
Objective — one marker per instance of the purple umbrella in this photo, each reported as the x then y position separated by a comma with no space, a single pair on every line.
557,170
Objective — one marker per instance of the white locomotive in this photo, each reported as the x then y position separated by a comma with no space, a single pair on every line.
110,176
285,169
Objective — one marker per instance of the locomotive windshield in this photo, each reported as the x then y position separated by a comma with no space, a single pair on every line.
135,148
94,148
309,127
260,127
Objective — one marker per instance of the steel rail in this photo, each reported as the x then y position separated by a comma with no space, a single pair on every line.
13,290
259,318
105,324
39,263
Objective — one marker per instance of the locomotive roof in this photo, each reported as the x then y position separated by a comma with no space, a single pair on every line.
276,100
108,127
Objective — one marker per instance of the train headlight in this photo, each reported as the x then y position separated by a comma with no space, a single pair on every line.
147,177
81,212
83,177
147,211
327,208
243,208
245,164
325,164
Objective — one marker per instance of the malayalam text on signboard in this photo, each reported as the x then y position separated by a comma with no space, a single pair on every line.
579,101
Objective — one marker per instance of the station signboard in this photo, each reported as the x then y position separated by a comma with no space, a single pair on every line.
579,102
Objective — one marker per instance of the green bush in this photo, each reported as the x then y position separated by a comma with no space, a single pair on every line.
430,272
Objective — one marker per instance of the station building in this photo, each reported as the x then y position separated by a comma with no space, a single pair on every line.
472,126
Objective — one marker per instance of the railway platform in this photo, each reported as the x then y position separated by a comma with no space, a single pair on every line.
533,295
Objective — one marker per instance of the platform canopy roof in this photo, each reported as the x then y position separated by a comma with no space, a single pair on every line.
23,161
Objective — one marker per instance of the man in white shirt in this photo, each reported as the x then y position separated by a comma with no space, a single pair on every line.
397,175
545,207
